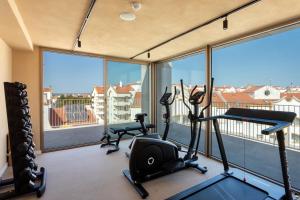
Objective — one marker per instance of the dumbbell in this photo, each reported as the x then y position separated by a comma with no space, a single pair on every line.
24,147
17,93
24,132
26,175
20,86
20,152
24,162
26,186
20,102
22,112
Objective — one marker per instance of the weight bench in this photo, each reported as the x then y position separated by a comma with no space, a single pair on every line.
121,132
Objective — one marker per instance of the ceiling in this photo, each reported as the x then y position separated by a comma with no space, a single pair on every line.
55,24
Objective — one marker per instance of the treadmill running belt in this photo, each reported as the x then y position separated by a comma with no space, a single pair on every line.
229,189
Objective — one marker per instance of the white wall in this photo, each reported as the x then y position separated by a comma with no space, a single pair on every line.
261,93
5,75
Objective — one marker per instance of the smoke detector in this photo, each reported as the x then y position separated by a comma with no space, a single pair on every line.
127,16
136,5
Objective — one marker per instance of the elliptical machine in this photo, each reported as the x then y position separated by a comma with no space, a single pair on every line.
152,158
195,99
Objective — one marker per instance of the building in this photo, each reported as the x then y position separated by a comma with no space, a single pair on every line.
123,102
47,96
263,92
98,99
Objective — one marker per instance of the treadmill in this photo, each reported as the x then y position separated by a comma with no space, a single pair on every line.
231,185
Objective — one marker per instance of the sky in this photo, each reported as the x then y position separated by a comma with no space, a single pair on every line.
272,60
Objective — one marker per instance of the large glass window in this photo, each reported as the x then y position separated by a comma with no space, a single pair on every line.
71,88
262,74
192,70
127,92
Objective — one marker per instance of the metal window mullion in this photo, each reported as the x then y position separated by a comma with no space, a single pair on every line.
208,125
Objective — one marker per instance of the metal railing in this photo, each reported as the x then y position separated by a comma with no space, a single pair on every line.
252,131
246,130
69,113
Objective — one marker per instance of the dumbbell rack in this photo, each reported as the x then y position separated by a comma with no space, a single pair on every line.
27,177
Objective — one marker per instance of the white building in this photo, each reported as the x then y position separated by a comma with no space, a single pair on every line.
47,96
123,102
263,92
98,103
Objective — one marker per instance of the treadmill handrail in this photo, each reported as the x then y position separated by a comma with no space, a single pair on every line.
276,125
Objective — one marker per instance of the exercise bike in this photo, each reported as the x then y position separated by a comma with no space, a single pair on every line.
166,100
152,158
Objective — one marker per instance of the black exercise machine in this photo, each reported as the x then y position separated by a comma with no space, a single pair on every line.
152,158
125,131
232,184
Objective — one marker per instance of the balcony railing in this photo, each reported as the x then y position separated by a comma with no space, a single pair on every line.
69,113
245,130
253,131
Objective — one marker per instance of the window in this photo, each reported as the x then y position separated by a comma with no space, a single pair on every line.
260,74
128,92
192,70
72,88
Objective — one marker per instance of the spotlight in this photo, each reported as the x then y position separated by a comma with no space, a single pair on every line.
148,54
225,23
79,43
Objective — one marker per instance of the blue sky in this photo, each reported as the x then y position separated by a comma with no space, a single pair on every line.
271,60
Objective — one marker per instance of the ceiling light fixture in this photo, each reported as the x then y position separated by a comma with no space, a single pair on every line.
225,23
127,16
136,5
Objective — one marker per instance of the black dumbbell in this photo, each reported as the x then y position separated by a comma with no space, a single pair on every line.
27,186
24,147
21,153
24,132
19,102
24,162
20,86
27,174
17,93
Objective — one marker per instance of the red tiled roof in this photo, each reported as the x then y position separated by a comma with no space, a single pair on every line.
99,90
289,95
252,88
137,103
216,98
241,97
47,89
123,90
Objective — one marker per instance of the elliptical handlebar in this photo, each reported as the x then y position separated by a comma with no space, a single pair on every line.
175,92
164,100
210,97
183,97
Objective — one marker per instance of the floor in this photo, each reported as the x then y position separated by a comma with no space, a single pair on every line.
256,156
87,173
67,137
61,138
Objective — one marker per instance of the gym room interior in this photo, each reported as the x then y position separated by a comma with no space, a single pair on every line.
150,99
